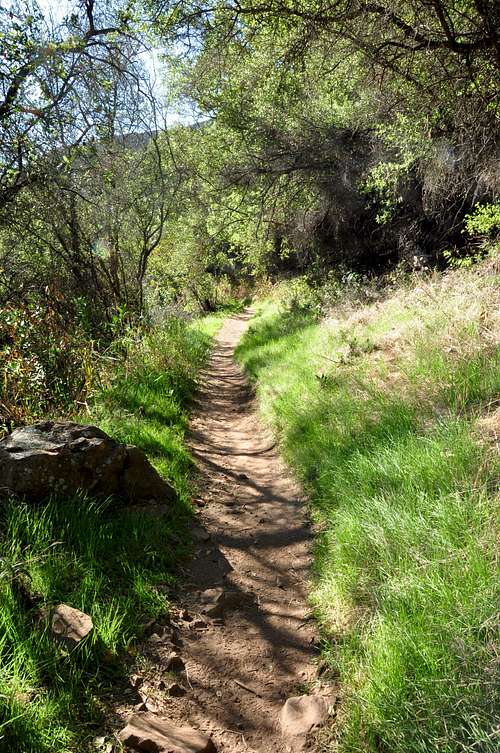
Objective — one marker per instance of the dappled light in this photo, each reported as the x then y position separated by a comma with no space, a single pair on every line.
249,376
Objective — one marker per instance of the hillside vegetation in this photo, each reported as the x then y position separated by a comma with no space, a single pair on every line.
114,563
161,161
387,407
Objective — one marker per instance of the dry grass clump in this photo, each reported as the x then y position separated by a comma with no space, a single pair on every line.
454,315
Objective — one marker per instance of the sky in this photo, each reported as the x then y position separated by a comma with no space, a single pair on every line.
56,8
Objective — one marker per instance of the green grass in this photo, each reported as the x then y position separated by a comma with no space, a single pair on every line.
385,438
99,557
145,404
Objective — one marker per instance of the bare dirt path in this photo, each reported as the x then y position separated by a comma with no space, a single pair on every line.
255,650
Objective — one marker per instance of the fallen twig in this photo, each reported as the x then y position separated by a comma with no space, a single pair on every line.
248,688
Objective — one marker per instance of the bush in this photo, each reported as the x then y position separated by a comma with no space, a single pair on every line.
484,220
47,365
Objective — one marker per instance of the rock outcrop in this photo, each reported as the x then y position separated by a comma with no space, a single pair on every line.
50,458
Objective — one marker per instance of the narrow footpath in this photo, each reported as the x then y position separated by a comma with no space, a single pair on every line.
248,642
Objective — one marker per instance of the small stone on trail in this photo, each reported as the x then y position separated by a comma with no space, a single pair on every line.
212,601
215,600
155,638
69,625
300,715
175,663
147,732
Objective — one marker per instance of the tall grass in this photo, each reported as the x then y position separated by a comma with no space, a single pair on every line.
379,408
109,561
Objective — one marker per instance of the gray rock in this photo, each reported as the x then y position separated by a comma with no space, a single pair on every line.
69,625
300,715
155,638
212,601
62,458
147,732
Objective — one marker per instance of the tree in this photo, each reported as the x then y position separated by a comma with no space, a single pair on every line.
56,84
379,116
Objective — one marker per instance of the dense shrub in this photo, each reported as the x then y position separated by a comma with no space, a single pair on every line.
46,365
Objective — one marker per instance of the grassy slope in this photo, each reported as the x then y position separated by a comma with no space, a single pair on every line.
107,564
388,414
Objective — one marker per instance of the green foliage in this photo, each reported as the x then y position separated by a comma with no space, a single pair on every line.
144,400
344,151
107,562
484,220
457,260
60,85
37,359
376,409
382,183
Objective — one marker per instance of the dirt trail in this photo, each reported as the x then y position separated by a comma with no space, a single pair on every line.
254,542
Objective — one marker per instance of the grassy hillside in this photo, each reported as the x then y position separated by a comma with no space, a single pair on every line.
113,565
389,412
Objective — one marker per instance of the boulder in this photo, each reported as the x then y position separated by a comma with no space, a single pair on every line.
62,458
147,732
69,625
300,715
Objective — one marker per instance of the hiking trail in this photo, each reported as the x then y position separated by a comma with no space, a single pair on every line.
247,639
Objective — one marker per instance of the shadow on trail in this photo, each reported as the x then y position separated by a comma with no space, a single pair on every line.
253,544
